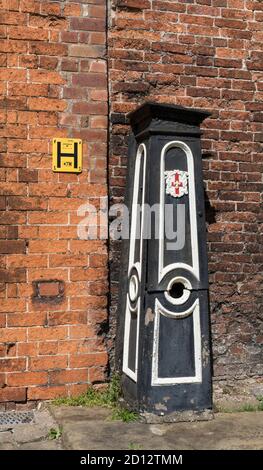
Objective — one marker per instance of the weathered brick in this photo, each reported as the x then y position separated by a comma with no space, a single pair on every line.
48,218
40,48
87,24
68,376
26,319
90,108
46,393
48,63
13,275
77,389
72,9
27,146
20,32
12,365
37,275
28,175
88,360
24,379
26,203
68,260
90,80
99,9
67,318
42,76
11,290
76,50
28,61
39,333
48,348
97,374
49,289
47,362
14,246
15,394
51,21
12,305
70,65
46,246
46,104
51,8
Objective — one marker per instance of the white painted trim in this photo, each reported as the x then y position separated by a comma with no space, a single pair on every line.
138,265
133,288
132,374
195,311
194,269
141,151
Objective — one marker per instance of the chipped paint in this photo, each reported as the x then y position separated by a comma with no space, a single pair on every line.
149,316
205,353
160,407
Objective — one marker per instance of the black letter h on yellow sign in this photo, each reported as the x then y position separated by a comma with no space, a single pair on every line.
66,154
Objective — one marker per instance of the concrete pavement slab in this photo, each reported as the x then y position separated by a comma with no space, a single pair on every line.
42,445
93,429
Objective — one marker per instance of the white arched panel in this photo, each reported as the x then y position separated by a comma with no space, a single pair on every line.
194,269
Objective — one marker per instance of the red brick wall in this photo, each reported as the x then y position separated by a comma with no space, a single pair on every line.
206,54
53,83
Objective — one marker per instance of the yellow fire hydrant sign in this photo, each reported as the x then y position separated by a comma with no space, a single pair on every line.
67,155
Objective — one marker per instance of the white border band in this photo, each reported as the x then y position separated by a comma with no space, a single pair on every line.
193,310
138,265
163,270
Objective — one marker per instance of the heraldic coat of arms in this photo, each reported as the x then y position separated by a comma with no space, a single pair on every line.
176,182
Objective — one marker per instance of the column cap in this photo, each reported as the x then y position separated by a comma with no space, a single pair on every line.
158,118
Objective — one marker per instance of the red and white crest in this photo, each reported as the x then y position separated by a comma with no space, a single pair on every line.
176,182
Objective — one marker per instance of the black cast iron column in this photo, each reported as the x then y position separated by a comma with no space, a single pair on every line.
163,344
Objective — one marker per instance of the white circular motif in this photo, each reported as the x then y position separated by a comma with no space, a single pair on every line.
133,288
186,291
